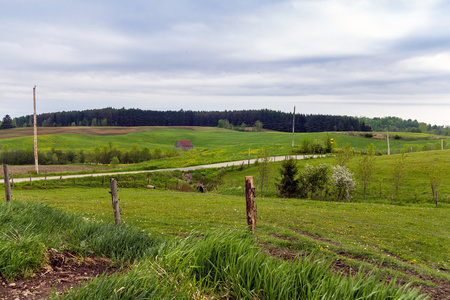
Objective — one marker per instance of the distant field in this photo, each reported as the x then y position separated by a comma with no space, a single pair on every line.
88,138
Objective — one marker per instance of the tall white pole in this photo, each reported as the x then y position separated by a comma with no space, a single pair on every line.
36,165
387,137
293,128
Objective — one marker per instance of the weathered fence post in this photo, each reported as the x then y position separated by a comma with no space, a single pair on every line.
7,184
115,200
45,180
250,203
59,181
12,179
30,180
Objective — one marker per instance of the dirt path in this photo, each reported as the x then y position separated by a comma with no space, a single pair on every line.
217,165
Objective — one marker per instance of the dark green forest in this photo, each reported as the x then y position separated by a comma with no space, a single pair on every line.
274,120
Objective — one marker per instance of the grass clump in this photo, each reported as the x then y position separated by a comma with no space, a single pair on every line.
20,255
28,229
230,264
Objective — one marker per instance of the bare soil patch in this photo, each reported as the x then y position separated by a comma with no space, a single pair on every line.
62,272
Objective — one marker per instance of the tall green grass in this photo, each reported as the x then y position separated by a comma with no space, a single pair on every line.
231,264
27,230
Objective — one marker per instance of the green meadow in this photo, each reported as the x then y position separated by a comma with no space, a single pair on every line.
212,145
408,240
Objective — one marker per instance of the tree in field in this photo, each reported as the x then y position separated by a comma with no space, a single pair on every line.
344,155
135,152
398,173
436,175
342,180
265,169
258,126
328,144
366,168
114,162
306,145
289,182
7,122
315,178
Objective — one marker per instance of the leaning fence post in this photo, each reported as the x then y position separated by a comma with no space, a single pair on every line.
115,200
59,181
7,184
250,203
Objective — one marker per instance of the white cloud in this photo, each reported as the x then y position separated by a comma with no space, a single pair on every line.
439,62
340,54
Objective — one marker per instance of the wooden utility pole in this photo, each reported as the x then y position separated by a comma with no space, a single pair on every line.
7,184
115,200
36,165
387,137
250,202
293,128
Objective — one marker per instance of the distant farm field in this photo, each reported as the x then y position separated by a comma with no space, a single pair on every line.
203,138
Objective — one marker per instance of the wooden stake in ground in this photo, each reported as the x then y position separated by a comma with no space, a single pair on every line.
36,165
7,184
250,202
115,200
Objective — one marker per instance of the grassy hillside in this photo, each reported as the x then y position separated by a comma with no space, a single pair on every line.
376,236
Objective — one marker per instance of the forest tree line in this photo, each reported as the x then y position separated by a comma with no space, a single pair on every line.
273,120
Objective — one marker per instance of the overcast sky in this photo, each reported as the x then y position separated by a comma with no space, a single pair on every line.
341,57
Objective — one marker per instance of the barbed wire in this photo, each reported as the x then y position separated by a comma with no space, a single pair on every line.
105,188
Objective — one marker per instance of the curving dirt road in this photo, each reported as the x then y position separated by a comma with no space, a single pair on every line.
217,165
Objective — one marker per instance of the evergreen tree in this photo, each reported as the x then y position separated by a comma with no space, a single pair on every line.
7,123
289,183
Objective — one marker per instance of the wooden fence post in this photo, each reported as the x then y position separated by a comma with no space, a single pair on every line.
30,180
45,181
12,179
7,184
59,181
250,203
115,200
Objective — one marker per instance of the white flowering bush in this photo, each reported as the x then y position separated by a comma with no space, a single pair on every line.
342,180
